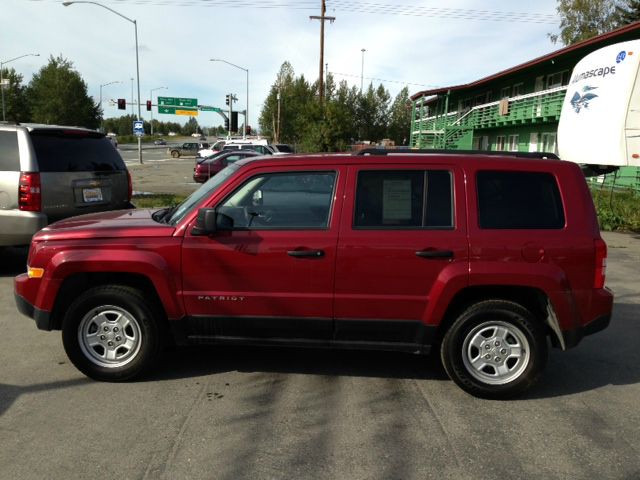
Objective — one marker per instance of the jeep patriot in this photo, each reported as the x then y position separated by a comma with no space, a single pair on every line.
484,259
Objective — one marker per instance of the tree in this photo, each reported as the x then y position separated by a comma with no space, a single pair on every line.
628,13
58,95
16,107
583,19
400,117
190,127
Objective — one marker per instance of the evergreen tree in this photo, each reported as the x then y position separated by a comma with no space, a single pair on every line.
400,118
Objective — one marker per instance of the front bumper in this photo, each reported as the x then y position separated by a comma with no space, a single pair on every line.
41,317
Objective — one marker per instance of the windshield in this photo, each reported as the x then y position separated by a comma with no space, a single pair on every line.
204,191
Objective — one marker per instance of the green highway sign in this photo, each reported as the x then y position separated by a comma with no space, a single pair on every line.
177,102
205,108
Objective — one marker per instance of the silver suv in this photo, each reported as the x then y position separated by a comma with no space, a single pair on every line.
52,172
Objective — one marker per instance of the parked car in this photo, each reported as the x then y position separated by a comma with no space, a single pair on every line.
261,149
481,258
48,173
160,141
186,149
283,148
208,167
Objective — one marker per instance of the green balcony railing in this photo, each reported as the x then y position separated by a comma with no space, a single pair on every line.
443,131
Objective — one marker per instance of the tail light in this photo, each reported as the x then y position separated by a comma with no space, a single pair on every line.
29,194
601,264
129,186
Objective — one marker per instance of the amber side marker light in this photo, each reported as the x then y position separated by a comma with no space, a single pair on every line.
35,272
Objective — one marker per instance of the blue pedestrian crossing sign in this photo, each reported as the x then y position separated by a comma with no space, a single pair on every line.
138,128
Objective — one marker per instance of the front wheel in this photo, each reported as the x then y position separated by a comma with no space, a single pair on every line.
175,154
495,349
110,333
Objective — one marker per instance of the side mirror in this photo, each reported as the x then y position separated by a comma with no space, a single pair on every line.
205,222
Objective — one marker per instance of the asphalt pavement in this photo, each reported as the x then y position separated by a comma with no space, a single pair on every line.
259,413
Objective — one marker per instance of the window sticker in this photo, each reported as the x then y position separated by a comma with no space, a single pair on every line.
396,200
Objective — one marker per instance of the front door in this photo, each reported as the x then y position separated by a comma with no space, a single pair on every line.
271,276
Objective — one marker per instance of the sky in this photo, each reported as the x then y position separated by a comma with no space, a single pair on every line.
421,44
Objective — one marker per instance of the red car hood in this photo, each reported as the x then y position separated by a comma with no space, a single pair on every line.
117,223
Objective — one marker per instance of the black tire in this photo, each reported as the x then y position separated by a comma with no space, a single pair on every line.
175,154
117,316
495,349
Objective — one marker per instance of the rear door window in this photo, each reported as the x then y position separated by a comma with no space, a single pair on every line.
519,200
9,154
75,151
396,199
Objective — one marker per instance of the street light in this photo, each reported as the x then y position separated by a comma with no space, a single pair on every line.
2,80
362,70
104,85
135,26
246,115
151,98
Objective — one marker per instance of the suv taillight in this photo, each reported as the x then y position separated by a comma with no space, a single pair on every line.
601,264
29,195
129,186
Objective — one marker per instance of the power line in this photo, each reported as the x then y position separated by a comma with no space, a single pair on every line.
359,7
384,80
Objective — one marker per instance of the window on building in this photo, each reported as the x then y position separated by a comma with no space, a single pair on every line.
500,143
557,79
518,89
504,92
396,199
548,143
519,200
513,143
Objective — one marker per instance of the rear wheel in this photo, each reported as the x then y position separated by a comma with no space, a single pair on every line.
495,349
110,333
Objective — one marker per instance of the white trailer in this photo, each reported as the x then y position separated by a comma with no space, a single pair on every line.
600,119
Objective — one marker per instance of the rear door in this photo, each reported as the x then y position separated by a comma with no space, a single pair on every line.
80,172
402,228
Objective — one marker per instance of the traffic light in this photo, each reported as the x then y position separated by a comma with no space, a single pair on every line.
234,121
148,105
122,104
226,99
226,124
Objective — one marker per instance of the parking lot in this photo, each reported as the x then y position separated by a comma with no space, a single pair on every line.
243,412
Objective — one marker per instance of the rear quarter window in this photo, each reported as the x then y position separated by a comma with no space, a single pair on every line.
9,154
71,151
519,200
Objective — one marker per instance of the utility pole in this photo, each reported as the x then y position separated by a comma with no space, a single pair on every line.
322,19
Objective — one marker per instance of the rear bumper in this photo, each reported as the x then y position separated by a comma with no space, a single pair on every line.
41,317
18,227
601,311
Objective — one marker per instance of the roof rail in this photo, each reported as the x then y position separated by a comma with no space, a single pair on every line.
403,151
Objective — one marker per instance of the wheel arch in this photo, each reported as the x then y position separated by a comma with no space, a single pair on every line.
531,298
74,285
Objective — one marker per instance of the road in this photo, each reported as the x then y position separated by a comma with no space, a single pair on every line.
160,173
236,413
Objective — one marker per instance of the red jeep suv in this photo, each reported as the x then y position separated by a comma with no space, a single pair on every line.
482,258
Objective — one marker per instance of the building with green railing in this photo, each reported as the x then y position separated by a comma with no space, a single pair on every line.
517,109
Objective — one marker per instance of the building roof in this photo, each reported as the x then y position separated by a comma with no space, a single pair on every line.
632,27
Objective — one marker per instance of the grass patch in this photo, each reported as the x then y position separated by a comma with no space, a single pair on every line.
618,210
157,200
